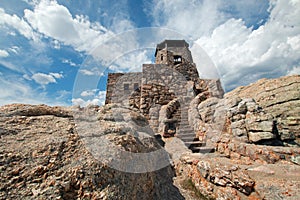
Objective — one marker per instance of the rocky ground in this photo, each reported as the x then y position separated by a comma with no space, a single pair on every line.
42,156
110,152
255,131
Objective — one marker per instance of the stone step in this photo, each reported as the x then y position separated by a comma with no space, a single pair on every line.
184,124
184,120
203,149
186,134
185,131
188,139
184,115
181,135
184,128
194,143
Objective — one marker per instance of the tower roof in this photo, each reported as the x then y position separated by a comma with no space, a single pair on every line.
171,43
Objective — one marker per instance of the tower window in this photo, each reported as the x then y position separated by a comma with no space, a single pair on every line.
135,86
177,59
126,86
161,57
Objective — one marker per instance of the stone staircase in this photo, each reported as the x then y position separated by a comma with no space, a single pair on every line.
186,133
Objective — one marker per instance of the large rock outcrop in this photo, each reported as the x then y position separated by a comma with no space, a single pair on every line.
43,155
90,153
280,98
266,112
255,132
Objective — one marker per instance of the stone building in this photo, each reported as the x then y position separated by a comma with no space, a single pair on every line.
163,91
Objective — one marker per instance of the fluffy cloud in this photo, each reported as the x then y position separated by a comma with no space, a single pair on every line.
98,99
94,71
87,93
13,91
14,49
17,23
51,20
11,66
44,79
56,75
189,18
241,52
3,53
68,61
244,55
294,71
55,21
131,61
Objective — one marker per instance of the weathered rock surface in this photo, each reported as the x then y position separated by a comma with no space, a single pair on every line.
222,178
90,153
42,156
280,98
245,113
255,132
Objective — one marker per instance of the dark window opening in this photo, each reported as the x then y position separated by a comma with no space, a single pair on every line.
177,59
126,86
172,126
135,86
161,57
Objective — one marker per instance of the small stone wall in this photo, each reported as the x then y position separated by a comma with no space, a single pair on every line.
121,86
188,70
160,85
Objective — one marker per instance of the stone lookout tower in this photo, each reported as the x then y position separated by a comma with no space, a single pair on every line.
173,52
163,91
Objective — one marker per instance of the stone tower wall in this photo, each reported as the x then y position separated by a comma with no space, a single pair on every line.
182,51
166,55
111,81
121,86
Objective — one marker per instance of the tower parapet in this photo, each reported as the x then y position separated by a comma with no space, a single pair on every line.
173,52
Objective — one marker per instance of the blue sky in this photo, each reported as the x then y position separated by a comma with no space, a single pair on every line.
59,52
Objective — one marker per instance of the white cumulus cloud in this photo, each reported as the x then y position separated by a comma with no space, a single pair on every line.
131,61
44,79
87,93
18,24
294,71
244,55
3,53
55,21
190,18
68,61
269,48
13,91
98,99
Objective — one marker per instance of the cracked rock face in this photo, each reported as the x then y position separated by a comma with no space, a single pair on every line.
280,98
266,112
226,175
42,156
51,152
255,132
